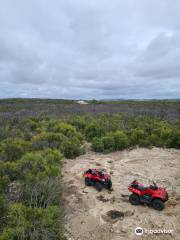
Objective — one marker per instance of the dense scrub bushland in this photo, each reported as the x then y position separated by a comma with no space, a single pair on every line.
111,133
168,109
31,153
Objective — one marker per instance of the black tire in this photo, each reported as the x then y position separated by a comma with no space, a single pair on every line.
167,197
98,186
134,199
157,204
87,182
109,185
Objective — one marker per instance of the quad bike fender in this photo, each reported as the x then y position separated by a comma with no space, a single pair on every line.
136,191
88,175
161,194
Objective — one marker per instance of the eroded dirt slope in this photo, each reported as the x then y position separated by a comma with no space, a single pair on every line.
88,213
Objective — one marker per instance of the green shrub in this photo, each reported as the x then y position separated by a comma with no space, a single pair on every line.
4,181
93,130
79,122
43,193
97,145
33,223
71,148
12,150
108,142
48,140
10,170
52,156
30,125
8,234
38,165
4,132
174,139
31,167
154,140
120,140
111,142
3,211
67,130
137,137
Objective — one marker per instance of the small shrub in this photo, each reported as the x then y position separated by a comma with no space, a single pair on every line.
3,211
108,142
33,223
43,193
174,139
93,130
12,150
97,145
9,169
4,181
67,130
48,140
71,148
137,137
37,166
120,140
79,122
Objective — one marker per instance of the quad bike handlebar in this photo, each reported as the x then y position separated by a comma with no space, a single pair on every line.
154,186
135,183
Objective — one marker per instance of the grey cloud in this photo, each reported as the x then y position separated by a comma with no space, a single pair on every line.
90,49
161,59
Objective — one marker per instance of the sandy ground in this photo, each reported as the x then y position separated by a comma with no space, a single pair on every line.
87,211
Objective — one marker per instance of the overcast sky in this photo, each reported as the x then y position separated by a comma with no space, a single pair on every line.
82,49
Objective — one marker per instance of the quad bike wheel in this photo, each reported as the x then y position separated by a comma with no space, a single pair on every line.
134,199
87,182
109,185
157,204
98,186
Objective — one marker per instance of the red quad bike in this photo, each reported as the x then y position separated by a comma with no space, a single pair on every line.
98,178
153,195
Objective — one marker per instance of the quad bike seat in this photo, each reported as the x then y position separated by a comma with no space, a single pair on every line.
141,188
92,171
153,187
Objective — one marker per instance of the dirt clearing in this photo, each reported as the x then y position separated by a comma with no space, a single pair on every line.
106,215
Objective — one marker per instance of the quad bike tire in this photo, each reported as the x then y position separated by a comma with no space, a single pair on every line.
157,204
134,199
98,186
109,185
87,182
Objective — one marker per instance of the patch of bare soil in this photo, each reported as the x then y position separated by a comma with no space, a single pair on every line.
107,215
